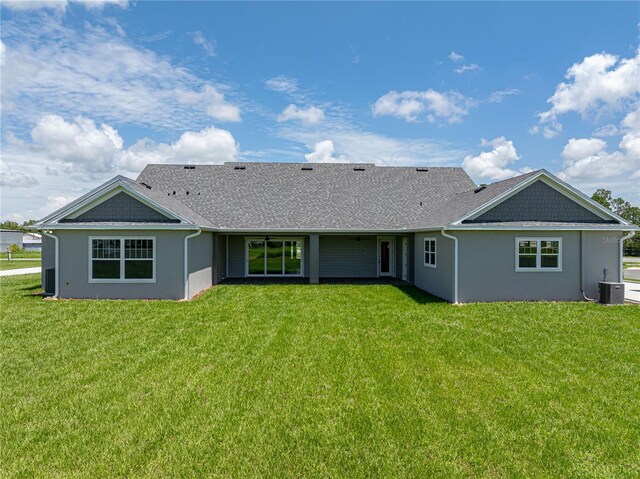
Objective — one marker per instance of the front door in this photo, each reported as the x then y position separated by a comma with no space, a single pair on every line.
385,256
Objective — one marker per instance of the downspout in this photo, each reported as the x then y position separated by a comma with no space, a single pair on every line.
584,295
56,263
186,262
622,240
455,264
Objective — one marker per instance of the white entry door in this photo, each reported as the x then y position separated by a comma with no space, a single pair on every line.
405,259
386,263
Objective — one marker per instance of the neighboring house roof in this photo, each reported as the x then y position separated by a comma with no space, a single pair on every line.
321,197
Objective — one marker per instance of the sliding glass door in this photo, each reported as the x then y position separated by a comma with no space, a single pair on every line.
274,257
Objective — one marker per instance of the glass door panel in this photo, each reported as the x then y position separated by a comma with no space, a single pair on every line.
274,257
255,252
292,257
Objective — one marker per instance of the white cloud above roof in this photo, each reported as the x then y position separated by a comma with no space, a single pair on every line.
598,84
323,152
494,164
97,72
450,106
311,114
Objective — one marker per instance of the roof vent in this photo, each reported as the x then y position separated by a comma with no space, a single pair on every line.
422,169
479,188
145,185
307,168
239,168
358,169
189,167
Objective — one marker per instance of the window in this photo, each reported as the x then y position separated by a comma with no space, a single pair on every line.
430,252
126,260
538,254
274,257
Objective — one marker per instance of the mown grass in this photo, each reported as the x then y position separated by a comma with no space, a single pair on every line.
316,381
7,265
23,254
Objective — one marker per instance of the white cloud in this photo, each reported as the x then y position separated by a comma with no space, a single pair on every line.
81,142
208,47
492,165
309,115
455,57
409,105
96,72
71,157
606,130
323,153
599,84
588,159
467,68
282,84
82,146
15,179
59,5
498,96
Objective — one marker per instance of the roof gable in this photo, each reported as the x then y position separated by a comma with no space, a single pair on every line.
518,184
152,206
120,207
539,202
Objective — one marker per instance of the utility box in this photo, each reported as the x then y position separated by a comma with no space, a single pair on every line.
611,293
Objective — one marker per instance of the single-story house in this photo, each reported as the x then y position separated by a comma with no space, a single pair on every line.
179,229
32,241
8,238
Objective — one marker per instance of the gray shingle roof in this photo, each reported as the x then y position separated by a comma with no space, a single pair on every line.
330,196
317,197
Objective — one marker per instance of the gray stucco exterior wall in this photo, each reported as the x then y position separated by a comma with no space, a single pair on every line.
345,257
48,256
220,257
122,207
74,267
601,252
438,281
538,202
200,263
487,262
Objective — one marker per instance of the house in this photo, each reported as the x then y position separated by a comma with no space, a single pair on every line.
178,229
32,241
8,238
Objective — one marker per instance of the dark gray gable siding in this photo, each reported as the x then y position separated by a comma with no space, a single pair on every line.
122,207
538,202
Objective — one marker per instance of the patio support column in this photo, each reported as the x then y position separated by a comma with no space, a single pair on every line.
314,255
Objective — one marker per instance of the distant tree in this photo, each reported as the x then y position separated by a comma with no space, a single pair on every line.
603,197
9,225
624,209
12,225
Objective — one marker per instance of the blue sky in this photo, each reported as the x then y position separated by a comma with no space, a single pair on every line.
95,89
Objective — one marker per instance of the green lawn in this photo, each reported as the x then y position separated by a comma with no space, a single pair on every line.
5,265
316,381
23,254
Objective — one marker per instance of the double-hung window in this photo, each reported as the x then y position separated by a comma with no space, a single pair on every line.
122,260
430,252
538,254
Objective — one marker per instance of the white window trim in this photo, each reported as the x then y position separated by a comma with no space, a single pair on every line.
121,259
538,268
424,252
274,238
